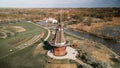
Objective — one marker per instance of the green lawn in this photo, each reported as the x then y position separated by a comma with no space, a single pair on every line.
27,59
8,43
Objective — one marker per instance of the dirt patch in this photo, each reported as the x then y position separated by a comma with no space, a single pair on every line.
96,49
80,26
16,28
90,45
102,56
61,66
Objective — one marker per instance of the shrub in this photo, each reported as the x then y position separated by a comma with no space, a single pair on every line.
86,57
87,66
116,59
100,64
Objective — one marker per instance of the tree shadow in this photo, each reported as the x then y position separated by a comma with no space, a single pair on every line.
47,45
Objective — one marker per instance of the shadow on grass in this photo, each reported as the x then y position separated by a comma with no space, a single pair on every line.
47,45
5,65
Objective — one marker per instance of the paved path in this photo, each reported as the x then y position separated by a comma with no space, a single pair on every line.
46,29
37,49
79,61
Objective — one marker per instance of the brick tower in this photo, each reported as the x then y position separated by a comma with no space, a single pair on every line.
59,43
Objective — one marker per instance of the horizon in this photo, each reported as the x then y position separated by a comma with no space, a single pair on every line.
54,7
59,4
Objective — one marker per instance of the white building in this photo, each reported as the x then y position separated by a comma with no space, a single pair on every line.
52,20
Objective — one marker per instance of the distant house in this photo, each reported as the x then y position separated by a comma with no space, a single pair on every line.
52,20
28,21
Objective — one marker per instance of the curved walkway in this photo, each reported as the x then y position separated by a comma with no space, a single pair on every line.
37,49
79,61
46,29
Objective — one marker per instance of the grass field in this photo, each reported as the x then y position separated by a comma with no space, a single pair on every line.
9,42
27,59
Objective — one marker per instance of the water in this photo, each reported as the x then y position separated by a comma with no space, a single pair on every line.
115,46
112,32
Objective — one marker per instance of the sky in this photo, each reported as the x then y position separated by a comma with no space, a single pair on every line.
58,3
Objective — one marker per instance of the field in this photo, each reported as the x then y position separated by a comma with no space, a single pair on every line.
97,50
15,33
9,43
27,58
